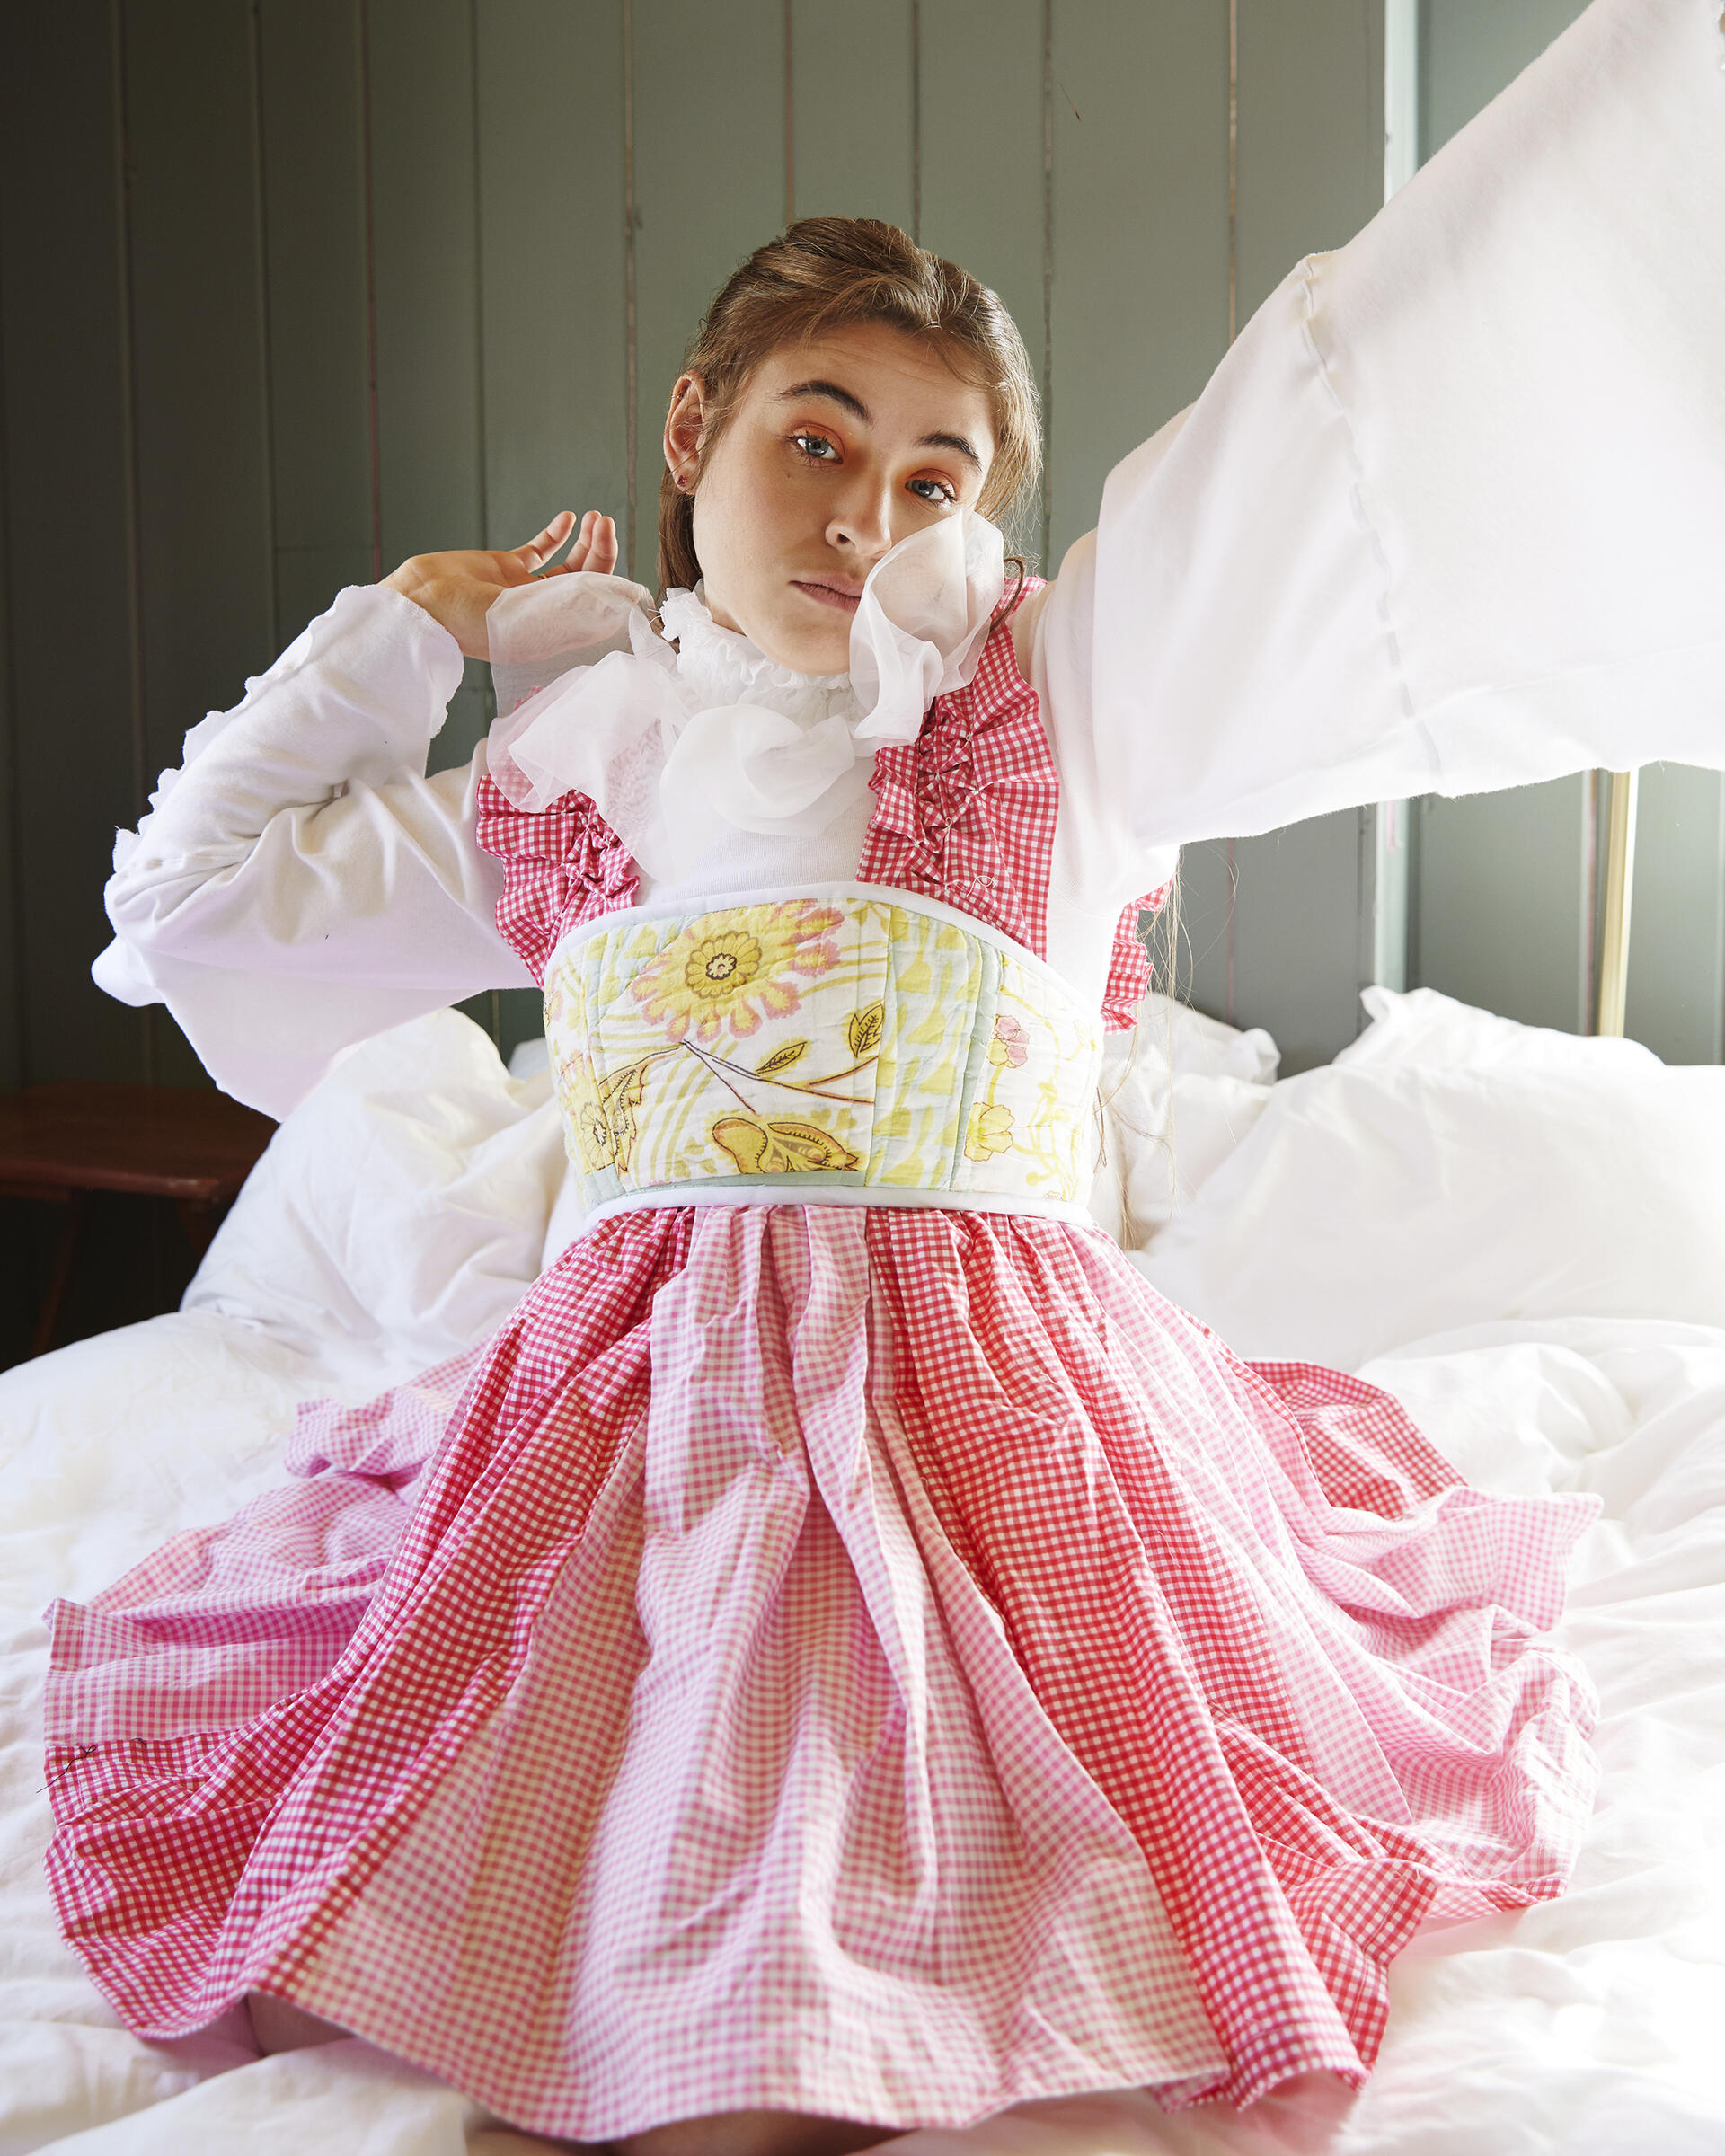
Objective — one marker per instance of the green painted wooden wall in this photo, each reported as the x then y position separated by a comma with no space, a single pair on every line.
290,289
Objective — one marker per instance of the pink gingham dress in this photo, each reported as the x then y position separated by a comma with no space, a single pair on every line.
881,1663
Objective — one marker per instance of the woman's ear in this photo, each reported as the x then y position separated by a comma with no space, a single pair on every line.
684,424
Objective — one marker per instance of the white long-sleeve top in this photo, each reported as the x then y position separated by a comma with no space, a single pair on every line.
1449,517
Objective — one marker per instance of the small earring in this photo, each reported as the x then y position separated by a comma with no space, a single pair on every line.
685,484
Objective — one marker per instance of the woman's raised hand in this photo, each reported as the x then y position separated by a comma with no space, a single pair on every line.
457,588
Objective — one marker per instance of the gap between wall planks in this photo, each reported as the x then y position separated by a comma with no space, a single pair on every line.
334,280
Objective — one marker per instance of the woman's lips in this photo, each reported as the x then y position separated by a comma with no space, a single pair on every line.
828,595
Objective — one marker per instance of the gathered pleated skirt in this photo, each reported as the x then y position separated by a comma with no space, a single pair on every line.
880,1663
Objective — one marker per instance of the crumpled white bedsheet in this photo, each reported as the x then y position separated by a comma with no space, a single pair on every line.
1590,2025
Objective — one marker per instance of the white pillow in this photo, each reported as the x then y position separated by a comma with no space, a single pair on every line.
1424,1027
1179,1093
1192,1046
400,1212
1378,1203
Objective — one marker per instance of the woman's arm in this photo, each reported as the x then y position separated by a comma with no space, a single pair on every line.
300,884
1451,514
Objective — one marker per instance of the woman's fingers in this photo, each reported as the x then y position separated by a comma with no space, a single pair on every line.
595,548
577,556
542,548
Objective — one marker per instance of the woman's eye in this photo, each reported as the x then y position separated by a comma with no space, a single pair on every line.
940,490
817,446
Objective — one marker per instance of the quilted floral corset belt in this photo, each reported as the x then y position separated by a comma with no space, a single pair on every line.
842,1047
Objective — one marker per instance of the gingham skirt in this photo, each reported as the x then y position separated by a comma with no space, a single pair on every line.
884,1664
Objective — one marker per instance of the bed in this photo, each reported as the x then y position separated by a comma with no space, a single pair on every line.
1521,1234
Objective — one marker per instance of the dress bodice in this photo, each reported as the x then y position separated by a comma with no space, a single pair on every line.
965,813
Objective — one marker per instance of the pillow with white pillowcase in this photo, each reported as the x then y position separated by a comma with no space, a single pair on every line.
399,1212
1177,1094
1454,1169
1423,1027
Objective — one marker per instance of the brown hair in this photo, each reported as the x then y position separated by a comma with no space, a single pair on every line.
827,273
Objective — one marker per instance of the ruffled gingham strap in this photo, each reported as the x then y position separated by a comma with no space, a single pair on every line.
965,812
560,865
1128,964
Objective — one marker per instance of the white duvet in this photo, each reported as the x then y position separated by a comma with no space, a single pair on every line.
1549,1216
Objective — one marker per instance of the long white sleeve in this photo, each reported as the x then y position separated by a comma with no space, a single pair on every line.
1451,514
300,884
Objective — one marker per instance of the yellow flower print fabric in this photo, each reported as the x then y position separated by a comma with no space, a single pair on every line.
844,1040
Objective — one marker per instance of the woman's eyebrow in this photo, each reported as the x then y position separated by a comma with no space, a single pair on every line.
860,410
954,442
831,391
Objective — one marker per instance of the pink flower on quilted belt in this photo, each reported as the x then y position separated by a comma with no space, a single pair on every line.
1011,1044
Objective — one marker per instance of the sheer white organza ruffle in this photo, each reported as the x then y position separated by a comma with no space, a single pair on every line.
675,745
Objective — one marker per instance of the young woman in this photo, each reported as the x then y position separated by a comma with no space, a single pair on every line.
854,1658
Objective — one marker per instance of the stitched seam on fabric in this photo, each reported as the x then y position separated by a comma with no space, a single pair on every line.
1356,491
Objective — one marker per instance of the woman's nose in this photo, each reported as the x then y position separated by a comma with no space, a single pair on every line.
862,519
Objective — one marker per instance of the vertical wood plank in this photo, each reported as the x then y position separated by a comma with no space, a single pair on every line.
204,474
981,162
205,471
1311,134
1298,967
12,1042
552,262
1676,948
1469,50
425,273
314,259
425,281
1503,903
851,110
67,458
1140,232
708,134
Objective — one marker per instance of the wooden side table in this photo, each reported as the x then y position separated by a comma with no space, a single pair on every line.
65,1140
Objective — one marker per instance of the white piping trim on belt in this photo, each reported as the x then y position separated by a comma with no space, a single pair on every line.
790,1190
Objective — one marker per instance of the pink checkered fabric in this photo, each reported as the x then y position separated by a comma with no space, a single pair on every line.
882,1664
1129,965
966,813
560,865
888,1664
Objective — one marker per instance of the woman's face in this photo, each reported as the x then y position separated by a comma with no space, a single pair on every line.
836,450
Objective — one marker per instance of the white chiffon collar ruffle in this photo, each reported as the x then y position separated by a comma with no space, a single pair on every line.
722,666
676,747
